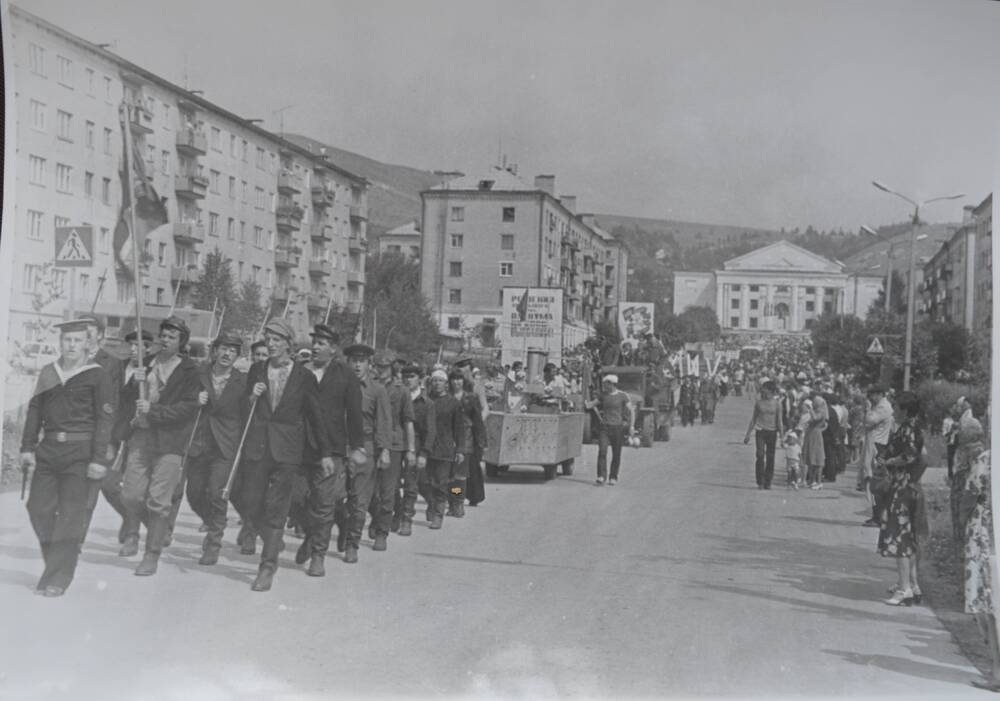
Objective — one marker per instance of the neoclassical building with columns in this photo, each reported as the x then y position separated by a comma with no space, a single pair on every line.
778,288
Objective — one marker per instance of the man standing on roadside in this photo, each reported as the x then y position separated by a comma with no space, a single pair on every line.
215,441
66,437
326,473
878,427
163,424
286,403
615,412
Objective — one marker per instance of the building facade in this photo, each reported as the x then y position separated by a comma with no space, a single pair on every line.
982,317
482,233
287,219
778,288
403,239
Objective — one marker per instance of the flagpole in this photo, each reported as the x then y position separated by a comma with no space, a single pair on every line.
329,307
267,313
100,288
177,291
211,321
136,274
222,316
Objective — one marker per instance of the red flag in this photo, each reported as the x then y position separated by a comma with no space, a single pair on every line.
522,306
150,211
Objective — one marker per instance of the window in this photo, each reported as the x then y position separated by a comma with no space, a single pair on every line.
258,237
735,288
35,225
65,68
90,81
89,135
214,177
165,162
458,213
38,115
36,59
753,303
734,304
243,152
231,229
36,170
104,240
454,323
810,305
260,158
107,142
508,214
246,189
145,294
454,296
32,278
457,240
455,269
84,285
755,288
243,232
259,201
810,290
151,157
232,145
734,321
232,188
506,269
61,221
213,224
255,272
159,296
106,190
107,88
506,242
753,322
216,139
88,184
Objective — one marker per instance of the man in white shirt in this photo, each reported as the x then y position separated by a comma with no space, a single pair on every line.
878,428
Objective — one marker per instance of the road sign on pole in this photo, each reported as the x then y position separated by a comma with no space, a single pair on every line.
74,246
875,347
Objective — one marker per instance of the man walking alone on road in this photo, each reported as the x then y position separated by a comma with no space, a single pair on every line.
766,419
615,412
66,436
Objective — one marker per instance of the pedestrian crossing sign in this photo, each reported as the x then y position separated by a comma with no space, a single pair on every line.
875,347
74,246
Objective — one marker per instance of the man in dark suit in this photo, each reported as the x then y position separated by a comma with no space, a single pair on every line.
163,424
287,401
215,440
326,474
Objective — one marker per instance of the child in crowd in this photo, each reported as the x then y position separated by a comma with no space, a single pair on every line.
793,458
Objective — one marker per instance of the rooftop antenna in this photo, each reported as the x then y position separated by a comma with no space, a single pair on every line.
499,148
281,117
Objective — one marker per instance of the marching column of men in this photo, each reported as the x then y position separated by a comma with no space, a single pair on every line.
364,435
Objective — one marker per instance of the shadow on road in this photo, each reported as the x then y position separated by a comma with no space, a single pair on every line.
909,667
824,521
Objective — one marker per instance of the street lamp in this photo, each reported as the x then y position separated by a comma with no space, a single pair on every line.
888,280
910,288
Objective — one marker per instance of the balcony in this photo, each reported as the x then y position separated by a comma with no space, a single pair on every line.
316,301
358,213
322,196
285,259
192,142
355,278
356,244
322,233
190,232
281,293
320,268
570,243
140,120
610,301
190,186
289,183
289,217
184,274
587,277
565,264
572,295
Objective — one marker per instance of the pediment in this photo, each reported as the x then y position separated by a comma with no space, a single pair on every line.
785,257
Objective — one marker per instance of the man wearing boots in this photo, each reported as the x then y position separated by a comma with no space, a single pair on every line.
163,423
216,439
326,473
445,446
66,436
284,399
375,412
401,449
406,504
474,488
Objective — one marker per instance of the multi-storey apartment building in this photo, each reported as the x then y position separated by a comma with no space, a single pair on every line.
403,239
481,233
957,286
288,219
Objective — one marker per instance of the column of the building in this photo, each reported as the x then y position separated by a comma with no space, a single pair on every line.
794,325
744,305
769,307
720,310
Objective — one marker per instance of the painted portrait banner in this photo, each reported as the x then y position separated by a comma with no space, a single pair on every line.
532,318
635,320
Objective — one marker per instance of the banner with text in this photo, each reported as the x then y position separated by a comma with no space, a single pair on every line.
532,319
635,320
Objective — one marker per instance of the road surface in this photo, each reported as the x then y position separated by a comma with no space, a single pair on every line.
683,580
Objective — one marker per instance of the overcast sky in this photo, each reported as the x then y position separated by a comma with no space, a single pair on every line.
765,113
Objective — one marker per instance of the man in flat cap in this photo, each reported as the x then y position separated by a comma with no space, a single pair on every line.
377,422
286,403
406,503
164,419
215,441
66,437
247,537
326,473
402,448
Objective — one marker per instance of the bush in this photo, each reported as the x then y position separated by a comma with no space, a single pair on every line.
938,396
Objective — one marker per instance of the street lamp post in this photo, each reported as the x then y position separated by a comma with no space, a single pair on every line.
910,287
888,279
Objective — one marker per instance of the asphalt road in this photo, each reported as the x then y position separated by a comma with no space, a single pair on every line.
684,580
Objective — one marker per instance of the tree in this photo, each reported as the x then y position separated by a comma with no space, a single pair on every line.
701,324
395,307
216,283
952,345
877,307
841,341
245,313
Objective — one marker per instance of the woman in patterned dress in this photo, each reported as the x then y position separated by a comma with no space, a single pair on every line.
979,553
903,515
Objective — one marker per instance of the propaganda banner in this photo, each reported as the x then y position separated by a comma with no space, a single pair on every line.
532,319
635,320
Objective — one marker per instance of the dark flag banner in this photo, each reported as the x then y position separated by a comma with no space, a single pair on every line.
150,212
522,306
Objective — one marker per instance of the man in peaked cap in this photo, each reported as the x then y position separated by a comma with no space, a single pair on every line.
215,441
66,437
163,423
326,473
